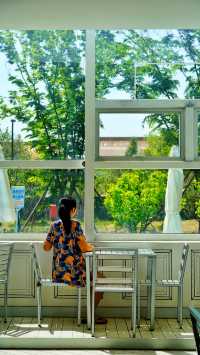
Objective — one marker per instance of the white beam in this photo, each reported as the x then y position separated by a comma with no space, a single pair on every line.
41,164
89,134
146,164
144,104
67,14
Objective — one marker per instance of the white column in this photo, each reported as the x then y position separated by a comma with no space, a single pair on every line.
190,134
89,134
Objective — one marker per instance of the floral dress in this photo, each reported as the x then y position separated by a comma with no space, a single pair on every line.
68,261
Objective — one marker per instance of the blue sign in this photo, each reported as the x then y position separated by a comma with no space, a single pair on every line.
18,194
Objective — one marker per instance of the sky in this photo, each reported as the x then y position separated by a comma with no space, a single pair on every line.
127,125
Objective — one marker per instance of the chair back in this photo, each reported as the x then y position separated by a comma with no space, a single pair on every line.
36,264
5,260
195,318
183,262
120,266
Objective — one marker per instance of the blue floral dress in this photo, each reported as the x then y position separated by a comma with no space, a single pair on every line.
68,261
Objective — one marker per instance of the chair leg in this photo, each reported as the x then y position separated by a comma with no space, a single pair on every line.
138,304
6,303
39,302
181,307
79,305
93,311
133,313
178,306
148,302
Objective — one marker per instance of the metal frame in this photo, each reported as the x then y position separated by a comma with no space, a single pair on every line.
178,283
5,261
195,318
40,281
151,274
116,285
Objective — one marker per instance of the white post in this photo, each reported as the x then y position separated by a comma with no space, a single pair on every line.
190,134
89,134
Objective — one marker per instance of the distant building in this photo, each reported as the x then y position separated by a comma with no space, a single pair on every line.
118,146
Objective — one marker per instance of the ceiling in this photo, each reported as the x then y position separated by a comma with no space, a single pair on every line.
82,14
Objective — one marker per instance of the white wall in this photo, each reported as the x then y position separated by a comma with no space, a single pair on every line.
99,14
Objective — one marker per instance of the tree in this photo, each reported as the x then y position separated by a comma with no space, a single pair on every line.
47,95
136,198
22,150
132,148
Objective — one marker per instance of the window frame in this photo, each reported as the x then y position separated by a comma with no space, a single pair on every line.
189,160
130,106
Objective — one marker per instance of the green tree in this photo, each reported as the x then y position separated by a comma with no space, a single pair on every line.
136,198
132,148
22,150
47,95
48,90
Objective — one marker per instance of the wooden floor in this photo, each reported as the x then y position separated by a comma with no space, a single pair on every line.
115,328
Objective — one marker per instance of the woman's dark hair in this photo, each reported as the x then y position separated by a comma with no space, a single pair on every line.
66,204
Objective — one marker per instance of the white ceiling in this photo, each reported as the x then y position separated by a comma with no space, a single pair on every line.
84,14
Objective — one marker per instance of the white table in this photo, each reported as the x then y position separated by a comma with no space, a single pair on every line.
151,275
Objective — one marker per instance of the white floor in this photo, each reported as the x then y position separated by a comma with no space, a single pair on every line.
94,352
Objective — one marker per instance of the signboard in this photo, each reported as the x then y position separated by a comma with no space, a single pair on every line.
18,194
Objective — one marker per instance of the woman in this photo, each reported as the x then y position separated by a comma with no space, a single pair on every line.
68,241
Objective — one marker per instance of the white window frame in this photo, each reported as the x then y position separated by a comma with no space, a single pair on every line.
190,160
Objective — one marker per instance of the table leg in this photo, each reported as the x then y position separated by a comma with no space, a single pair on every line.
153,292
149,277
87,261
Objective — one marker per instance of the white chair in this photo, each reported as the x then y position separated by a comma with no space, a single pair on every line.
5,261
126,283
40,281
177,283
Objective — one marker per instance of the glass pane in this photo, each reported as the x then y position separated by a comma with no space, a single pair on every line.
42,94
143,201
42,191
138,134
147,64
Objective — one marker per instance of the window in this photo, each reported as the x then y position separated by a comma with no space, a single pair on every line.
42,125
42,96
134,201
138,134
121,112
43,189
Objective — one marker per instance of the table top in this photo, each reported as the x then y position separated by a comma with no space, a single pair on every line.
141,252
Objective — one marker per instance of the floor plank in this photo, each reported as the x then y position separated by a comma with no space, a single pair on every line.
21,327
111,330
122,328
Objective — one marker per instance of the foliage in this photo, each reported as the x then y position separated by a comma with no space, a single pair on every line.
136,197
156,146
48,90
22,150
132,148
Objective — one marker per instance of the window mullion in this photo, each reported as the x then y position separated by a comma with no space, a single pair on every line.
89,134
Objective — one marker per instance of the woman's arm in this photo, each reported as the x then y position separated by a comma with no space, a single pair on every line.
82,242
49,239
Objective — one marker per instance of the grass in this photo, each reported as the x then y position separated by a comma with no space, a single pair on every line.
105,226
